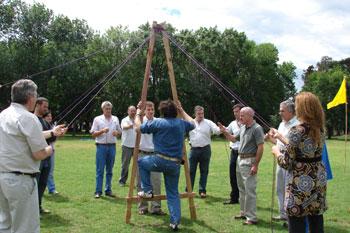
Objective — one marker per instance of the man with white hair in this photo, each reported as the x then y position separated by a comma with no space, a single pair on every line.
287,113
250,152
22,146
105,129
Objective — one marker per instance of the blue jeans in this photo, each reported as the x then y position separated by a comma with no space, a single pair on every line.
171,171
105,156
201,156
50,181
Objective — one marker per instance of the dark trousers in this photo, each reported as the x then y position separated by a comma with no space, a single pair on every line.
42,178
298,224
233,177
201,156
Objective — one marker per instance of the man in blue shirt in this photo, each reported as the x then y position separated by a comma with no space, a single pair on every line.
168,137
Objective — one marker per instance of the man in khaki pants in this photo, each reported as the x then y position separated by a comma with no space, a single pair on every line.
250,152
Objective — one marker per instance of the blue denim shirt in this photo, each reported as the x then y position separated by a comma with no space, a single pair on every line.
168,135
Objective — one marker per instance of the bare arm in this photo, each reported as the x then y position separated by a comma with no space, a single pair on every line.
42,154
258,155
227,135
99,132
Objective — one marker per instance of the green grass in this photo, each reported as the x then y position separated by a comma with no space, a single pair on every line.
75,209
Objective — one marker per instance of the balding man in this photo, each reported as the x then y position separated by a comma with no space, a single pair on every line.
250,152
128,143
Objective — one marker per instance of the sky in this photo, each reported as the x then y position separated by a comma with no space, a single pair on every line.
302,30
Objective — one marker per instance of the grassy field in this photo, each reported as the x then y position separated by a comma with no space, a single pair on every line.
75,209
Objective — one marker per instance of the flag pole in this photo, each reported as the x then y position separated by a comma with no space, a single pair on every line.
346,128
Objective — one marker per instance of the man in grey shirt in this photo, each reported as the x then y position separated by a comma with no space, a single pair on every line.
22,146
250,152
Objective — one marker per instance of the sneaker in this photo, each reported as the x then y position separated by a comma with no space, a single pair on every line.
97,195
278,218
240,217
143,211
54,193
44,211
121,184
145,195
249,222
174,226
203,195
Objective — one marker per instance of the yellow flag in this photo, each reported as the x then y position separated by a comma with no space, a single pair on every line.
340,98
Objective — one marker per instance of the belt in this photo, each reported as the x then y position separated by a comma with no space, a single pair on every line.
146,152
309,160
245,156
25,174
168,158
105,144
199,147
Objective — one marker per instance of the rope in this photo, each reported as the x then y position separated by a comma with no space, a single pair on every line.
59,66
108,78
214,78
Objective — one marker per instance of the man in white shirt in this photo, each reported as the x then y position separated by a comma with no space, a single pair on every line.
234,128
200,139
22,146
287,113
147,148
105,129
128,143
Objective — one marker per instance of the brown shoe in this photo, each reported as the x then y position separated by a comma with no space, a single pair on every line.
240,217
249,222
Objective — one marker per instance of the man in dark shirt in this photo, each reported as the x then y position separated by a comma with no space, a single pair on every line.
41,108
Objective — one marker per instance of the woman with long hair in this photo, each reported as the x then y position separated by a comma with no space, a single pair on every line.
307,180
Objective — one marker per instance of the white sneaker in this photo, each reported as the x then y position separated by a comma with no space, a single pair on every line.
145,195
174,227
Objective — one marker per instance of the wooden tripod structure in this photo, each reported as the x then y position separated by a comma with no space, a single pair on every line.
130,199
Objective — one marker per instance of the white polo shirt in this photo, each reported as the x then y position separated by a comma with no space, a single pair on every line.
101,122
234,128
146,143
128,135
20,136
201,135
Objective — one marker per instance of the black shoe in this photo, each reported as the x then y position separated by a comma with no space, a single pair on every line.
110,195
174,226
97,195
230,202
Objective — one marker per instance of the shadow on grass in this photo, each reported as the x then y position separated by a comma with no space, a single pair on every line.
185,225
119,200
57,198
54,220
335,229
212,199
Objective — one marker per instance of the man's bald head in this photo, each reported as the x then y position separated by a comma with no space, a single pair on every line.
247,115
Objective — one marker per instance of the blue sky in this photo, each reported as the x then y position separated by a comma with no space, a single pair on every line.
302,30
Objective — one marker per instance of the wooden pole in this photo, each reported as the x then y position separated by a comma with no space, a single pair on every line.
138,134
175,98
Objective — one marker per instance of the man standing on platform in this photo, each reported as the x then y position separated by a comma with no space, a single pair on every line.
105,129
234,129
200,139
128,143
147,148
249,155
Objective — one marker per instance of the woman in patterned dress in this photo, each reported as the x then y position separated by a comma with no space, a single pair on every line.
307,180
